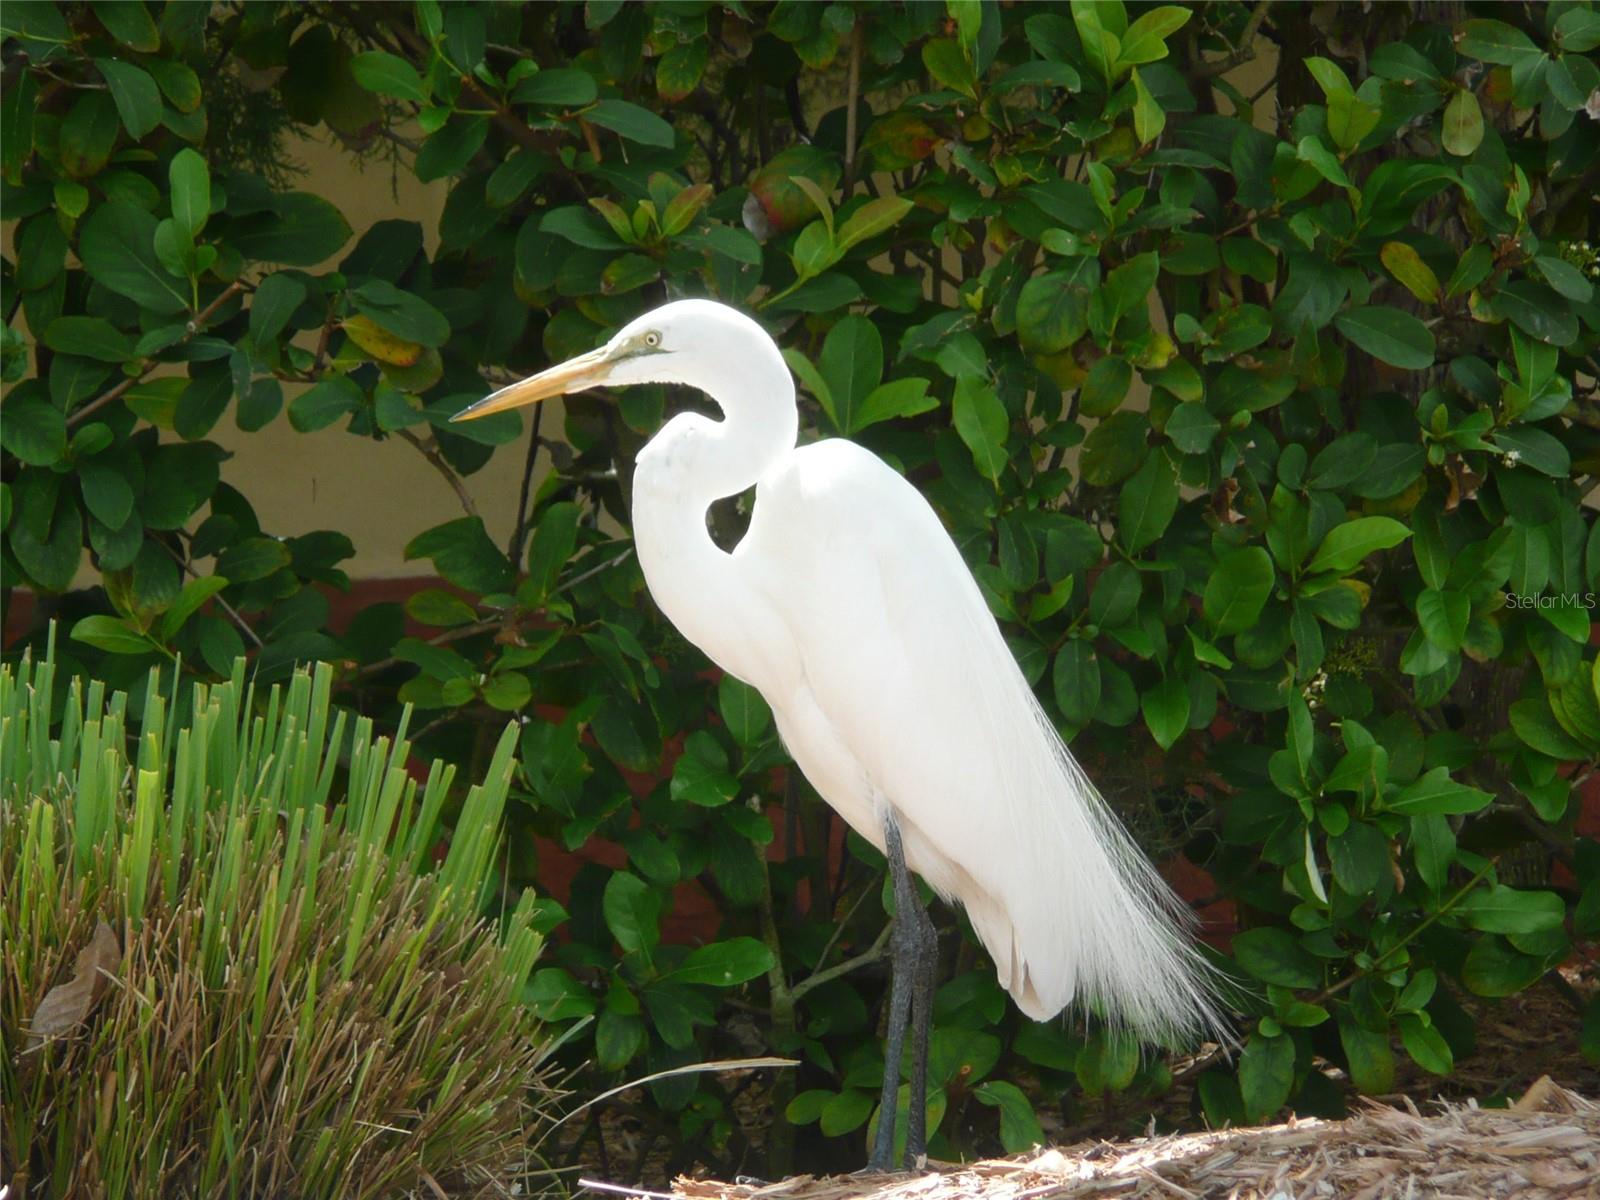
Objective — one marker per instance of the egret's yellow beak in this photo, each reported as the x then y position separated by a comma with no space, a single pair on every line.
586,371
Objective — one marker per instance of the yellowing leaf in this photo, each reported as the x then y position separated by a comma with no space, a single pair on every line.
871,219
684,207
1146,39
1406,265
1463,124
380,343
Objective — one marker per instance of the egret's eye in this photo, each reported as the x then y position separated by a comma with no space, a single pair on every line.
652,339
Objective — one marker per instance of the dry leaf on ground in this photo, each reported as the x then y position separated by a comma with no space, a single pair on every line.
66,1005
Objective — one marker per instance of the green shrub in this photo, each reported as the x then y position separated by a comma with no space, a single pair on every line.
228,971
1259,428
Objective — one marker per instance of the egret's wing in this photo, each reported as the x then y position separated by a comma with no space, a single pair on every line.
904,662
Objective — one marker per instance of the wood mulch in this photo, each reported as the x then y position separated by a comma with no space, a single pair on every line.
1546,1145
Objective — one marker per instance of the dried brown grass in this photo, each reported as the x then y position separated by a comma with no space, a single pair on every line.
216,984
1545,1147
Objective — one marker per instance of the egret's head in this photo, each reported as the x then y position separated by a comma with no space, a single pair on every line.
657,347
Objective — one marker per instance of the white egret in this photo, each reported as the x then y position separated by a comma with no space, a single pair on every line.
849,608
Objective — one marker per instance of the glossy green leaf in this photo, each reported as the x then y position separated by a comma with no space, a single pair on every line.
463,554
1106,386
1238,589
980,419
1192,428
193,597
112,635
137,97
1147,503
1495,42
401,313
389,75
1437,794
1052,310
1577,30
1077,682
1145,39
324,403
743,710
897,398
1019,1126
852,364
251,559
1346,545
724,964
1442,615
631,122
275,299
1425,1044
300,231
947,63
1149,119
1166,710
632,911
129,22
1115,449
1502,909
191,191
1266,1075
1273,955
88,337
117,246
1367,1054
1390,335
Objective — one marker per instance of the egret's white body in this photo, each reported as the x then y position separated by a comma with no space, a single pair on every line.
847,605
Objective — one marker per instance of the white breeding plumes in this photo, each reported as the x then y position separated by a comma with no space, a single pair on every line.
849,608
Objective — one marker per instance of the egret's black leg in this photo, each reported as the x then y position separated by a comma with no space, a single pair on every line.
925,963
913,946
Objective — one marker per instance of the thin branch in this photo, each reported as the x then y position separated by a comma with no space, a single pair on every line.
872,954
1416,931
585,576
450,635
195,326
185,565
852,96
321,357
1244,52
518,535
471,91
839,928
701,1068
400,140
429,449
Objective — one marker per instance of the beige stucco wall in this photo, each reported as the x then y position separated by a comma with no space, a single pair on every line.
381,494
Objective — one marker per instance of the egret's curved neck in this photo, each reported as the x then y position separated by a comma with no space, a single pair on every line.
707,460
694,461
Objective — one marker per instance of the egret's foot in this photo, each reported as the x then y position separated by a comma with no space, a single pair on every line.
913,1162
874,1167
